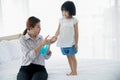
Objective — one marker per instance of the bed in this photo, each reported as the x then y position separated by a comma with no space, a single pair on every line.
88,69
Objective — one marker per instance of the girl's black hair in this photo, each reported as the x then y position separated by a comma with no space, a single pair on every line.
31,22
70,7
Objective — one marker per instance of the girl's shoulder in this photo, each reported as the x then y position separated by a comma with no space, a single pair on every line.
62,18
75,20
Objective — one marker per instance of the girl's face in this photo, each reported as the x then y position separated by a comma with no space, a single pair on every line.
65,13
36,29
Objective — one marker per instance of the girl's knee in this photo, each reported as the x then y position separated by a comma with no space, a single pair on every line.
73,57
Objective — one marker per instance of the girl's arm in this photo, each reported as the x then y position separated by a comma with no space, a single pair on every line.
58,31
76,35
54,38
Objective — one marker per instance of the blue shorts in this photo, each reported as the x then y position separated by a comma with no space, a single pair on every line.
69,50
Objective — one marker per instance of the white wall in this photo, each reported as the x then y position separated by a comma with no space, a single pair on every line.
96,23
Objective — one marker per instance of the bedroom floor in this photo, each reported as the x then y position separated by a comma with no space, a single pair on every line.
88,69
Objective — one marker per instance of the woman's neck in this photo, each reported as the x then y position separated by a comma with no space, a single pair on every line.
32,36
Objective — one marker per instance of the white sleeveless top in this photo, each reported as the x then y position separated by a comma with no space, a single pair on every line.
66,37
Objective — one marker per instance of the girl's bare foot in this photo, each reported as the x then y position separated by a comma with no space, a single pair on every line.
72,74
69,74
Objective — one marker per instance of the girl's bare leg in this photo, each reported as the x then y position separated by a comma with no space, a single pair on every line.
73,65
70,63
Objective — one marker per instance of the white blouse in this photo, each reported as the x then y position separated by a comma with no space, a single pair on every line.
66,37
29,55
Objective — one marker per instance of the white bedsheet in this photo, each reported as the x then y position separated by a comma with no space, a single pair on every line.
57,69
57,65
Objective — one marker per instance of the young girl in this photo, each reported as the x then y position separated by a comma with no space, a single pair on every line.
33,64
67,34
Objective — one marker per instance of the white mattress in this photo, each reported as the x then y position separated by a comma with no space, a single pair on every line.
57,65
57,69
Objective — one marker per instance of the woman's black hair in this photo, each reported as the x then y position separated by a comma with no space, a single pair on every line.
31,22
70,7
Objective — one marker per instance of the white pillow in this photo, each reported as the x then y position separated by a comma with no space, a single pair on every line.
4,52
9,50
14,49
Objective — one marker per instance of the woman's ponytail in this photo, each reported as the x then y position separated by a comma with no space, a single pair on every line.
25,31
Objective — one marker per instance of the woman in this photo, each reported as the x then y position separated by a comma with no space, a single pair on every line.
33,64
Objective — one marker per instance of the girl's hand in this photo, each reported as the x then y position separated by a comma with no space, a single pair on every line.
53,39
76,46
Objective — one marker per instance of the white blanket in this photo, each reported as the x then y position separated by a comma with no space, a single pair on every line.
57,66
57,69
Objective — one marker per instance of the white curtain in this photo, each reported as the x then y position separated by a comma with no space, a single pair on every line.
0,16
98,23
14,14
116,30
96,29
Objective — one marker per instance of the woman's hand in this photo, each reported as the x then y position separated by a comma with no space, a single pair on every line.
46,41
49,52
49,41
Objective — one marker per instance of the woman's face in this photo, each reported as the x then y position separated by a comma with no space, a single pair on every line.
36,29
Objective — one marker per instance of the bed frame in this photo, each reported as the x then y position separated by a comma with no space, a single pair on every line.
11,37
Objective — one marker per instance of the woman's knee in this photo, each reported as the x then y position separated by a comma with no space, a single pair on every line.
23,76
40,76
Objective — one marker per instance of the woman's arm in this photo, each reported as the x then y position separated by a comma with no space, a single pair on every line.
76,35
45,41
28,53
